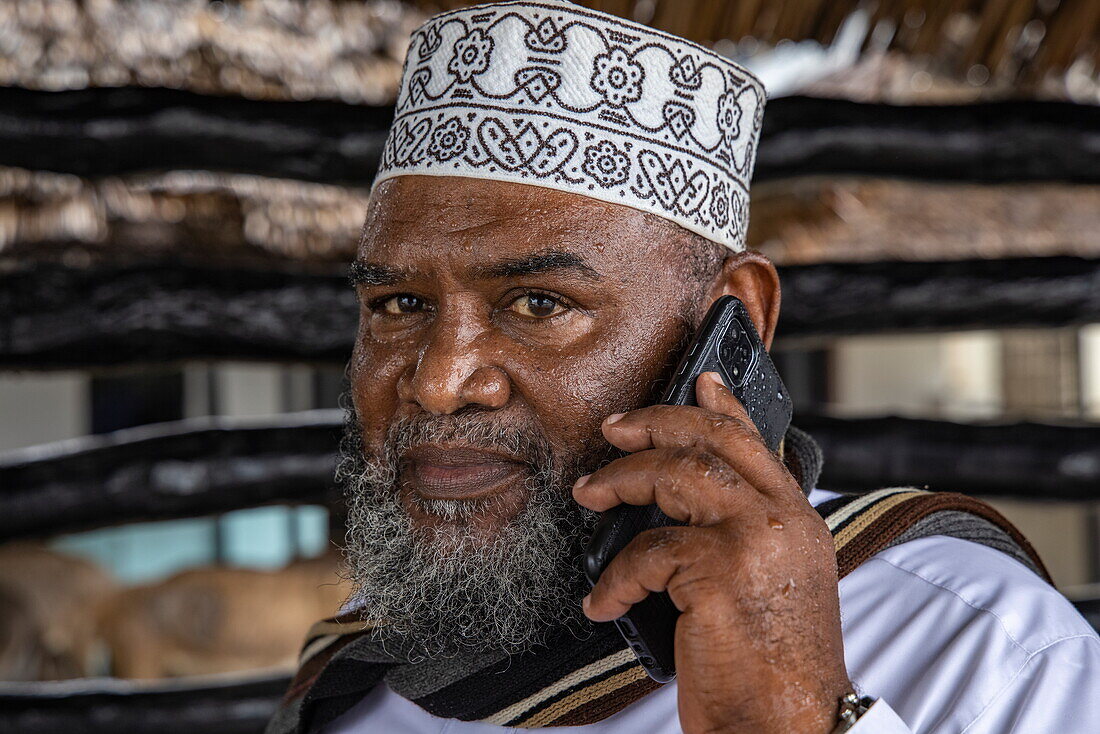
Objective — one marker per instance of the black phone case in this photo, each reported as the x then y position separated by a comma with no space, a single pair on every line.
727,343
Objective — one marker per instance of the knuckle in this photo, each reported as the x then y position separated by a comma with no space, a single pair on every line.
696,461
737,429
666,541
716,469
662,413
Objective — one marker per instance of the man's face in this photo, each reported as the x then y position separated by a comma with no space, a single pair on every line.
499,325
532,307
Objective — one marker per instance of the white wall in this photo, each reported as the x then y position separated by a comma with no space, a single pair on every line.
943,375
1090,370
39,407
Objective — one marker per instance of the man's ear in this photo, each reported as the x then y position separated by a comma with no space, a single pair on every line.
752,278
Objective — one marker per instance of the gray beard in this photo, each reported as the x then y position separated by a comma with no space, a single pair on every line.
446,591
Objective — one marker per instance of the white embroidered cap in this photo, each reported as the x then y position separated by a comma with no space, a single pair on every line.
552,94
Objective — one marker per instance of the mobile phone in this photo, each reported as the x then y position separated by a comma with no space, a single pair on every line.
727,343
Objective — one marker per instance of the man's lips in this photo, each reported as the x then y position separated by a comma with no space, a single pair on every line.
443,473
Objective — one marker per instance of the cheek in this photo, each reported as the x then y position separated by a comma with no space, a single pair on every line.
373,373
574,391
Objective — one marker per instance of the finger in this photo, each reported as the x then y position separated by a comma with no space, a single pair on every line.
646,565
688,484
711,393
733,439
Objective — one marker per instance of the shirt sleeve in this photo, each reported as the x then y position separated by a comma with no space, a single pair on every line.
1057,690
880,719
956,636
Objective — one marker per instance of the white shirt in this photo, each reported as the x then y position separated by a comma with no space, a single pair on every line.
948,635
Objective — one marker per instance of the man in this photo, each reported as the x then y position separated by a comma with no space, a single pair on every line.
562,196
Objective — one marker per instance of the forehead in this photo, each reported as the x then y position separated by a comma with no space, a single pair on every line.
441,219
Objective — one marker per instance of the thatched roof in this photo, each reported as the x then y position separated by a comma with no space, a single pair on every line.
262,49
847,219
352,49
1051,46
185,214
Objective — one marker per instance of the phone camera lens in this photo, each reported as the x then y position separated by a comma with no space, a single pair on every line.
727,349
736,353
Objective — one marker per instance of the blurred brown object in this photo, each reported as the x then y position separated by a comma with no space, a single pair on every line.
262,49
49,606
219,620
352,49
808,220
202,214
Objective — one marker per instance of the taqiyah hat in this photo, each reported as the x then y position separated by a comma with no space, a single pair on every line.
552,94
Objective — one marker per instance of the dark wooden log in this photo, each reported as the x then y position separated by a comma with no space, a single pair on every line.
104,132
195,468
111,706
1026,460
868,298
990,142
52,316
188,468
99,132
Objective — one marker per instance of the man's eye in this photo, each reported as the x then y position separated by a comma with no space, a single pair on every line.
537,306
401,304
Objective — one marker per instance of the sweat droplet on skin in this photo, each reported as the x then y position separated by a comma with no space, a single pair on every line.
788,587
774,524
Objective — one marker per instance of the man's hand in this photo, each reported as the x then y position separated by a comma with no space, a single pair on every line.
758,643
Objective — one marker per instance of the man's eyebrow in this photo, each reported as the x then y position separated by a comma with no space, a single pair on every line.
540,262
365,273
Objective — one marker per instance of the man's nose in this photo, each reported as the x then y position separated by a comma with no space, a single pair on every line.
457,368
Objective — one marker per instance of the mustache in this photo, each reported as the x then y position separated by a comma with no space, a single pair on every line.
525,443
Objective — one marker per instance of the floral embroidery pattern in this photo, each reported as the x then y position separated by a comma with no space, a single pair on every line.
720,204
729,117
618,77
448,140
606,164
471,55
740,212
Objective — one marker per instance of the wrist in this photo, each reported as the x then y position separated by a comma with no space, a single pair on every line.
850,709
796,709
828,712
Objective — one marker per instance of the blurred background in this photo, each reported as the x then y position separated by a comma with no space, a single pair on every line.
181,186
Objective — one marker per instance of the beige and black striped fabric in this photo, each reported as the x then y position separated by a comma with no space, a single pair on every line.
574,682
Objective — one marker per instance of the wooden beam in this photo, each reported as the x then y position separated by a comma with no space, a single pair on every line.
1024,460
105,132
989,142
111,705
188,468
889,297
55,316
858,219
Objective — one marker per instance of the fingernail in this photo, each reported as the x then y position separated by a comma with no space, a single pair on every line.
614,418
585,602
716,378
581,482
